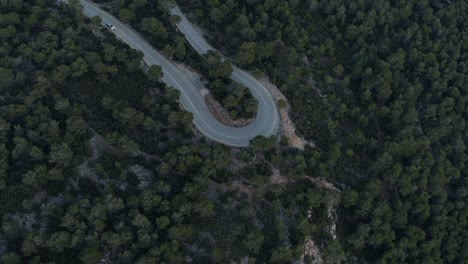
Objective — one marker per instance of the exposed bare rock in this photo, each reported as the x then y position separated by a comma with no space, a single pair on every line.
333,218
311,251
287,126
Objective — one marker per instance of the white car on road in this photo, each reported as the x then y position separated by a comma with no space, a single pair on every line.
110,26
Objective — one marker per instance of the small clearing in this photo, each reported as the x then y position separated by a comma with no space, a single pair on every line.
144,175
84,170
277,178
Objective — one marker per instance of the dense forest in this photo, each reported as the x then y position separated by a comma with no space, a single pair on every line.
381,87
99,164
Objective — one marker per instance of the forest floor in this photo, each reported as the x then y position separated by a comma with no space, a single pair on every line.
85,170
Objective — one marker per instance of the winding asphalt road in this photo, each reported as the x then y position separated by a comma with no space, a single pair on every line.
267,120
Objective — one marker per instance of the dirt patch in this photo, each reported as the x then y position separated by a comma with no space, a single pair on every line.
222,115
287,126
322,183
277,178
